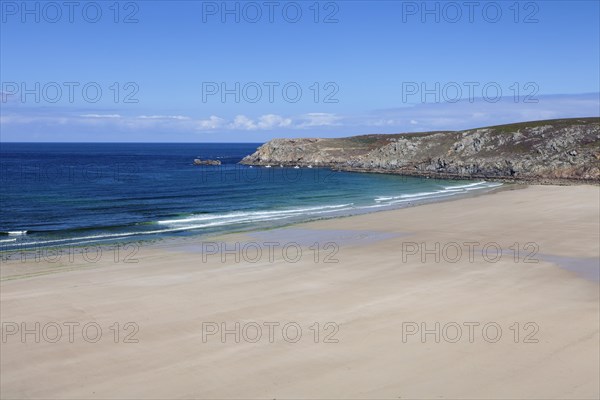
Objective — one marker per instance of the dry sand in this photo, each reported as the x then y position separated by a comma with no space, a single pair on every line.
376,293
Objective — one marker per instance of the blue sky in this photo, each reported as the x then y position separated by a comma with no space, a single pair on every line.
337,69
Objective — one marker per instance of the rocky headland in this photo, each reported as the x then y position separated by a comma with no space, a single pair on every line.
553,151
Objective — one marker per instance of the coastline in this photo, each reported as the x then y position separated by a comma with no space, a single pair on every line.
379,284
27,252
503,179
561,151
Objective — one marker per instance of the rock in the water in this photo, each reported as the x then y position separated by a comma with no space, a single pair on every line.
198,161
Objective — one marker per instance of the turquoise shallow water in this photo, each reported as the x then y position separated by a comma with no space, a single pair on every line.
57,194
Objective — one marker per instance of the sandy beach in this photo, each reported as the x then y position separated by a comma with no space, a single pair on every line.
488,297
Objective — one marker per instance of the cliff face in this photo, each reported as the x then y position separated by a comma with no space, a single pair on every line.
543,151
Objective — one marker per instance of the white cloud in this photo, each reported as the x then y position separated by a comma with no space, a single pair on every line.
466,115
100,116
319,119
242,122
420,117
264,122
270,121
212,123
177,117
382,122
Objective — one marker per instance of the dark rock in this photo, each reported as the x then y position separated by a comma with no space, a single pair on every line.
198,161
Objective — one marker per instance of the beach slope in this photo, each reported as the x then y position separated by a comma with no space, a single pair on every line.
488,297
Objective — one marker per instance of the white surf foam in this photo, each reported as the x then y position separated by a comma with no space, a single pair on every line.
468,185
252,214
16,233
220,220
444,192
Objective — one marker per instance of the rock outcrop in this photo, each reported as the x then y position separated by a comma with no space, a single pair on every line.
553,151
198,161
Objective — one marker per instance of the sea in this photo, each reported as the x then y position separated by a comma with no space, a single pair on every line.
62,194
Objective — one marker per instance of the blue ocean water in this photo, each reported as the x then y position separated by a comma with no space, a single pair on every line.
77,193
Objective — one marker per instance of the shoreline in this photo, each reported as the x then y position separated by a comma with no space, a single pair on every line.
342,167
12,255
503,179
369,285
